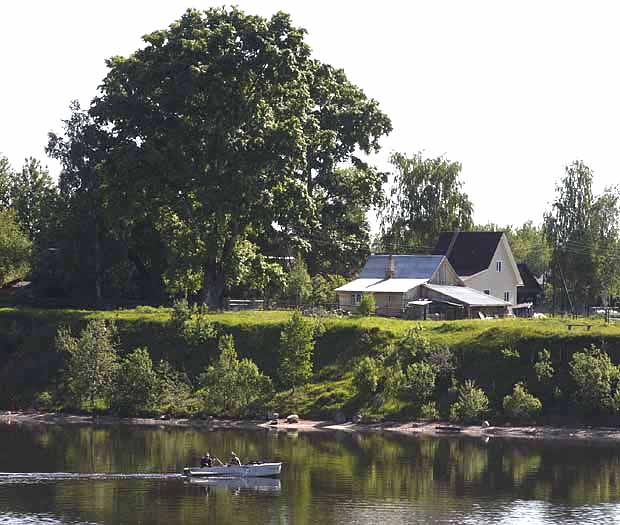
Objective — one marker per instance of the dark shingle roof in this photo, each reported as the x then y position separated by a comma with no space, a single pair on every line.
472,251
406,266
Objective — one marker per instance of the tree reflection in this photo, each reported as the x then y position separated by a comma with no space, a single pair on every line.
324,473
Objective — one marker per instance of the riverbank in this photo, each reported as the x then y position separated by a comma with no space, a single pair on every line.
421,428
495,355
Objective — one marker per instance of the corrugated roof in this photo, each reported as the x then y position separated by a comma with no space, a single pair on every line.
396,285
405,266
358,285
472,251
467,295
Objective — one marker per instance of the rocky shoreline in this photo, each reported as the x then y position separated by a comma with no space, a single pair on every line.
434,428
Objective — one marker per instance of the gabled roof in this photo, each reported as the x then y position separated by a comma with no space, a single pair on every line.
471,252
396,285
358,285
405,266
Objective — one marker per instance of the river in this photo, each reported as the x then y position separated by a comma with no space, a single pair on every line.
120,474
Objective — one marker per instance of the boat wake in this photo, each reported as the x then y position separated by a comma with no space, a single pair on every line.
43,477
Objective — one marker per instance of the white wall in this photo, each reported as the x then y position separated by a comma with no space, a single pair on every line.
497,282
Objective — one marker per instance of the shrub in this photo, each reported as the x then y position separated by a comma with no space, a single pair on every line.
429,411
521,404
413,346
366,376
92,360
443,361
471,403
296,351
181,313
230,386
543,366
174,390
136,384
419,382
596,378
199,330
44,401
367,305
394,380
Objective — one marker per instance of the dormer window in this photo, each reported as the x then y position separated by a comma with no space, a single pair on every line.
498,266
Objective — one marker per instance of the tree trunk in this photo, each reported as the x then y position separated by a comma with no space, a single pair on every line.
214,281
214,273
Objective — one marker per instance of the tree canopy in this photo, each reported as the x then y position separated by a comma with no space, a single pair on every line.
227,122
14,249
426,198
582,230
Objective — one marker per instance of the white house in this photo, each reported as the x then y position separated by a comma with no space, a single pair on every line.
483,261
406,282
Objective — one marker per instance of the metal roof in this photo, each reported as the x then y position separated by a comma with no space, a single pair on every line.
405,266
396,285
358,285
467,295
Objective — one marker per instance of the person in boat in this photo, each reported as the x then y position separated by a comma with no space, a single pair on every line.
234,460
206,461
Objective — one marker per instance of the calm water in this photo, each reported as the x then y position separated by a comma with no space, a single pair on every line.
129,475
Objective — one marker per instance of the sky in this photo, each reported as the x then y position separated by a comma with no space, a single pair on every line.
513,90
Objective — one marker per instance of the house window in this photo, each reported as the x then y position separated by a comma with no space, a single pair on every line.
356,299
487,292
498,266
507,297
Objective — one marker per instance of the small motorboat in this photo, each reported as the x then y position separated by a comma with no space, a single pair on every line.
248,470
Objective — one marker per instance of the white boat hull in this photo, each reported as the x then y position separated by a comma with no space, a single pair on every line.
252,470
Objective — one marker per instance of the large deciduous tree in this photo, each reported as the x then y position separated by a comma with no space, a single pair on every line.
227,121
426,198
33,197
582,229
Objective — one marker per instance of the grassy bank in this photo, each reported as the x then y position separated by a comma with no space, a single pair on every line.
29,364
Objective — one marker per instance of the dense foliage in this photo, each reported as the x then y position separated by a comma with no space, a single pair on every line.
232,386
426,199
583,232
297,350
471,404
521,404
213,146
380,368
15,249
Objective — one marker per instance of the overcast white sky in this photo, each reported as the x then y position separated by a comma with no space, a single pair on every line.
512,90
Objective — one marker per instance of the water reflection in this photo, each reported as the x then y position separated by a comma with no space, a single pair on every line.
130,474
237,485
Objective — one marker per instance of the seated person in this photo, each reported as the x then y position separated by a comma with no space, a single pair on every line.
205,461
234,460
